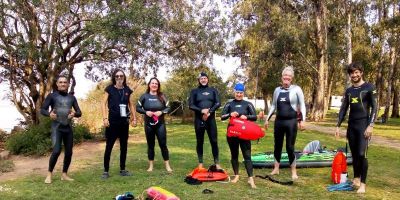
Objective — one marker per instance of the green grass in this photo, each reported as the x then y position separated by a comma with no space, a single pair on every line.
390,130
383,176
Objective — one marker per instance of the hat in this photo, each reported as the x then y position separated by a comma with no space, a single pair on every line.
202,74
239,87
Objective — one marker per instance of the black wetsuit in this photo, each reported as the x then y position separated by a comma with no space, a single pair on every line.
61,130
148,102
200,98
119,126
243,108
363,108
286,102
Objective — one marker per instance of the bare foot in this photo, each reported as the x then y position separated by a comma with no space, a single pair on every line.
200,165
294,172
295,177
361,190
236,179
356,182
151,164
168,167
218,166
65,177
251,183
275,171
48,179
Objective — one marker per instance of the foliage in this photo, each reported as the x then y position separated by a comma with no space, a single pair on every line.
6,166
35,139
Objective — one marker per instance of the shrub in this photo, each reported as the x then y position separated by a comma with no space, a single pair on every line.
36,140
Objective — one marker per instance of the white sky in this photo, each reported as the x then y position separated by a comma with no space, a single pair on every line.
9,115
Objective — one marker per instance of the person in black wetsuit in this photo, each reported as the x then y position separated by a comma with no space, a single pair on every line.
244,110
154,105
204,100
117,111
361,98
287,100
61,113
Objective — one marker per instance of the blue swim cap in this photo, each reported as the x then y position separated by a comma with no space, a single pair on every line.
239,87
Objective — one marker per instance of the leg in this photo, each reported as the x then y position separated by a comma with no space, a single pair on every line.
162,142
245,146
278,144
213,137
290,142
111,137
199,129
150,137
234,147
56,140
363,163
352,138
68,139
123,142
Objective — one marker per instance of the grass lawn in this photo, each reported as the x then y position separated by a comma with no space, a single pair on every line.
382,183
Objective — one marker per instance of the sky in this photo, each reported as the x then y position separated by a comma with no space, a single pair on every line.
10,116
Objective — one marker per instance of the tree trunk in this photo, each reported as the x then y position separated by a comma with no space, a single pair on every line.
318,110
390,82
396,102
348,36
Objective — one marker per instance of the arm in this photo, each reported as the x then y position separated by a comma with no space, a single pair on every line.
343,109
192,106
217,102
374,107
300,98
226,112
166,103
273,105
139,106
44,110
75,105
252,115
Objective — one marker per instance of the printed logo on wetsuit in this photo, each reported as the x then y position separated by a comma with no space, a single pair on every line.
374,92
283,99
205,93
238,106
153,99
354,100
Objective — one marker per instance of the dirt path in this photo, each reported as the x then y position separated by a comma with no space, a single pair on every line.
84,155
375,140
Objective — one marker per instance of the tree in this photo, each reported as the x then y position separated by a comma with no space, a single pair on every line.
41,39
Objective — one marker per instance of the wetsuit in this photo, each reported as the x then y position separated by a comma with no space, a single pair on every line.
119,126
154,127
363,108
243,108
286,102
204,97
61,130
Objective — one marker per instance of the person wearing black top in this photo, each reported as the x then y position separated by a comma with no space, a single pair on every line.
61,113
243,110
204,100
154,105
116,102
361,98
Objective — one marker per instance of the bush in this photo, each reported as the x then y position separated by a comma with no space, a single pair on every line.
36,140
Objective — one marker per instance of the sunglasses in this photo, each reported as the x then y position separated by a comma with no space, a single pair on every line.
119,76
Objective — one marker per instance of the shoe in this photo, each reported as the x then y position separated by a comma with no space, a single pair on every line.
125,173
105,175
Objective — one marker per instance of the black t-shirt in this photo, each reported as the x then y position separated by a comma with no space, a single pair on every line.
115,98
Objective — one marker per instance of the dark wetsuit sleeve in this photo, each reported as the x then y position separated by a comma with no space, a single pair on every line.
374,109
139,105
166,103
192,106
343,109
226,112
217,102
252,116
78,112
44,110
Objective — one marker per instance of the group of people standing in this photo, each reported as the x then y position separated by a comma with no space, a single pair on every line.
288,104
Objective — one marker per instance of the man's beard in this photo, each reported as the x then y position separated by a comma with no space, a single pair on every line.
357,80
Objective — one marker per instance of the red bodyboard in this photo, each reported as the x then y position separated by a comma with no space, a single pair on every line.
243,129
205,175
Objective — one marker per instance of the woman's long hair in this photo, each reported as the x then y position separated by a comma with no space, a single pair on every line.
159,93
114,82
